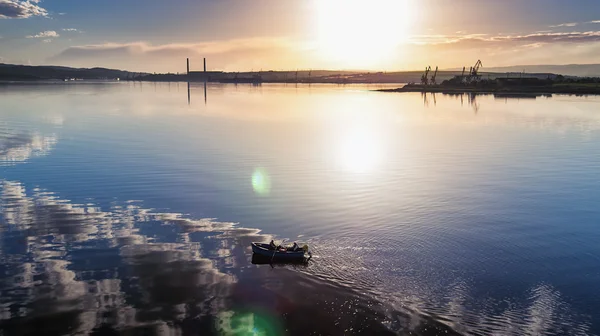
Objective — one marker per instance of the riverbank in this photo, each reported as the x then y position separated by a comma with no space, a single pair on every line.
576,89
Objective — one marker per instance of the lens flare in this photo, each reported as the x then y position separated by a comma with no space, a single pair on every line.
248,323
261,182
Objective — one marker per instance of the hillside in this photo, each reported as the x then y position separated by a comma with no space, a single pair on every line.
28,72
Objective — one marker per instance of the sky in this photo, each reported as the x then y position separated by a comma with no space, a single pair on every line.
238,35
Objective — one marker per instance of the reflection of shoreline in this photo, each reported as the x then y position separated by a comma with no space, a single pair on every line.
578,90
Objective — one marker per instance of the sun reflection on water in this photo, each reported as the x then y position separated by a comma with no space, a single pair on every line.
360,150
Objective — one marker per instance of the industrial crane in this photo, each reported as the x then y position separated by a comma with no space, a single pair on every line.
432,81
469,76
475,71
425,77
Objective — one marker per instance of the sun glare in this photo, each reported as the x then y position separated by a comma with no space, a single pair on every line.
360,150
361,33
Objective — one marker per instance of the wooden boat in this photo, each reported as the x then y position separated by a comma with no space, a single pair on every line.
280,254
259,259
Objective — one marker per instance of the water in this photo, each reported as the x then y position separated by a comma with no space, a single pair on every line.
125,208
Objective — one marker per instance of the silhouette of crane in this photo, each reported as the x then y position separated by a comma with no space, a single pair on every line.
425,77
432,81
475,76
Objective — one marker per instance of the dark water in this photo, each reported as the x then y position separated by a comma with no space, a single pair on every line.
124,209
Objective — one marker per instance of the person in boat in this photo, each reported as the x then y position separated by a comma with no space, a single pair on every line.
295,247
272,245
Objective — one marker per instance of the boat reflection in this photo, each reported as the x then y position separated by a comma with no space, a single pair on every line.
258,259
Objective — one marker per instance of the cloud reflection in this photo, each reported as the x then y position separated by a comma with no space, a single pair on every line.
43,245
15,148
73,268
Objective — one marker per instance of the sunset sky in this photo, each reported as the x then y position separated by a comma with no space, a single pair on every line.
157,35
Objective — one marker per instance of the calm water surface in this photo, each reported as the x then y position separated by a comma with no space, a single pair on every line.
124,208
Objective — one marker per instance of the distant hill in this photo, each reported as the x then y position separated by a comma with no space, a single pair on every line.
580,70
45,72
28,72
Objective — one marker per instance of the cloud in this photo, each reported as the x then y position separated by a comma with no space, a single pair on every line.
501,50
568,24
540,37
256,53
284,54
16,9
574,24
44,34
70,29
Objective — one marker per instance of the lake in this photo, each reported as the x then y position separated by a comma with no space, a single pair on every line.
130,207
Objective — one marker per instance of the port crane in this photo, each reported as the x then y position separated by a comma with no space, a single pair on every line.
432,81
425,77
474,73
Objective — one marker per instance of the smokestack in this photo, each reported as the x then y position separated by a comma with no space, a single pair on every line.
188,66
204,64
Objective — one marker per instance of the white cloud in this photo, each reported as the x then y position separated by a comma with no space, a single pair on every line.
568,24
47,40
526,39
574,24
18,9
44,34
69,29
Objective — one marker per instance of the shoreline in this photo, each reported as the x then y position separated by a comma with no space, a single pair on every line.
516,91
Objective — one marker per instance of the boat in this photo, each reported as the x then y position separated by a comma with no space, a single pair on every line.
281,253
259,259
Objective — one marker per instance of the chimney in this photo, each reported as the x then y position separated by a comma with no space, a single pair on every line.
188,66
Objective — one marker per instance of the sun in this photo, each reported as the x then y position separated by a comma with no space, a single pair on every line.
361,33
